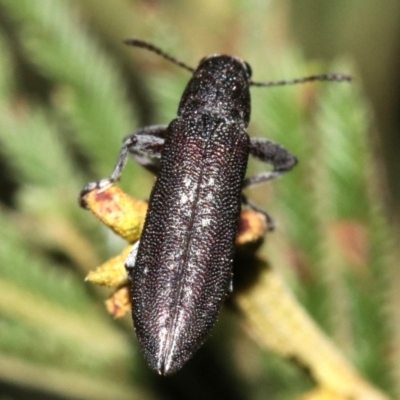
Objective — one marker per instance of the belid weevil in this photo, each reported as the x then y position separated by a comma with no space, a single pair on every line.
181,270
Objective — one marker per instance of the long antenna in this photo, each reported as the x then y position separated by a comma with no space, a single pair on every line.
148,46
328,77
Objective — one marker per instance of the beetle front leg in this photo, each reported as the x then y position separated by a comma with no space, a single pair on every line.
271,153
145,143
147,160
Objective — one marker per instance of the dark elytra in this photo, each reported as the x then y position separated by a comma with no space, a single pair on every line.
181,271
184,264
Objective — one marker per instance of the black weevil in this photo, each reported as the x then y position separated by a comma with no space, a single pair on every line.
181,270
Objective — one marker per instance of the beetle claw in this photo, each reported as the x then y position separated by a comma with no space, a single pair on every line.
101,185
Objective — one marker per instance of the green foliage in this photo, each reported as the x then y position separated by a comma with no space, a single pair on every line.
332,241
74,61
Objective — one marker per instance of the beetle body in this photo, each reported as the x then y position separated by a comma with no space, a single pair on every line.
183,267
181,270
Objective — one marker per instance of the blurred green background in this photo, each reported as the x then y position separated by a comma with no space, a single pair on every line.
70,91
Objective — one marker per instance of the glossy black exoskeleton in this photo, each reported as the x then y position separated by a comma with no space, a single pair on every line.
181,270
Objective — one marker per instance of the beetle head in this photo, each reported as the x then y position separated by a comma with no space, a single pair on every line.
220,85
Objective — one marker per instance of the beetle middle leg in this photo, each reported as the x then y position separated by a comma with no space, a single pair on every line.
145,144
274,154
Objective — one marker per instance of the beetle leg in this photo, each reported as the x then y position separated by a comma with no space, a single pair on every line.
146,161
145,143
279,158
131,260
273,154
254,207
230,287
